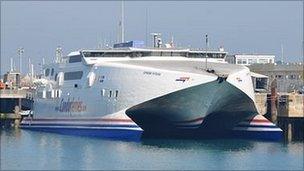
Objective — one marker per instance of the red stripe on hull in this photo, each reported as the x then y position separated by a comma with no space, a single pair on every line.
193,120
85,119
260,121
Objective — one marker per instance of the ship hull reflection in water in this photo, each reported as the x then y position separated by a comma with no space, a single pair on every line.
58,152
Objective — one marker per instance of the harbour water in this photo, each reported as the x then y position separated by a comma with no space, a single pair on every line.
22,150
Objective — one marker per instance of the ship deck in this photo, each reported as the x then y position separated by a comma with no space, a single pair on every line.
184,65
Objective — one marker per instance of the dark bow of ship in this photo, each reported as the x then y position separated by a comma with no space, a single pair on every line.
204,110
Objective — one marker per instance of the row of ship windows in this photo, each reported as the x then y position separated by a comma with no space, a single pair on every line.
75,75
49,94
57,94
72,59
157,53
109,93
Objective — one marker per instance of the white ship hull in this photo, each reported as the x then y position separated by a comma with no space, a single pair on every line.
116,97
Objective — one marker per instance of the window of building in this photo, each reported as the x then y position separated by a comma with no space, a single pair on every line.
110,93
279,76
76,75
293,77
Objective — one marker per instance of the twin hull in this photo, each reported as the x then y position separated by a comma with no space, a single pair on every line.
161,102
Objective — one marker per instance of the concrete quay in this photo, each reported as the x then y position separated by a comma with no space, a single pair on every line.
291,116
286,110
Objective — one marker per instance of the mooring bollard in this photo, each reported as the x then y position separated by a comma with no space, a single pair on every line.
289,132
273,98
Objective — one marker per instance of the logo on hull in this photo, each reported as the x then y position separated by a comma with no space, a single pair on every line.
71,106
183,79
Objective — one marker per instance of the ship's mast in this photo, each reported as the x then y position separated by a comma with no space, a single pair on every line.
122,24
282,54
29,65
12,63
32,72
146,27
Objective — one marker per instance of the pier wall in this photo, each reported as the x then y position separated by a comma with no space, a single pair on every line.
289,114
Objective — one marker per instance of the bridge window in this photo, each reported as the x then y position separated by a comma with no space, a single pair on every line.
52,72
56,76
73,75
239,61
107,54
47,72
244,61
73,59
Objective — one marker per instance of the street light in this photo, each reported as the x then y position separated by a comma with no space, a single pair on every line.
58,54
206,60
20,52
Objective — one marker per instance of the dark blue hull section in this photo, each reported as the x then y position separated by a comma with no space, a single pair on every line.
253,135
117,134
259,135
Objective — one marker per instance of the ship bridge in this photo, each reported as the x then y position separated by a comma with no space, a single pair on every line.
95,56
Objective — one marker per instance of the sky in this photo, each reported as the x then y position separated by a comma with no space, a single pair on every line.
240,27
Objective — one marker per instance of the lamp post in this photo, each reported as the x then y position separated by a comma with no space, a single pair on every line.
58,54
20,52
206,60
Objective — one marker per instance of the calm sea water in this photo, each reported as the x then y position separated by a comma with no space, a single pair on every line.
22,149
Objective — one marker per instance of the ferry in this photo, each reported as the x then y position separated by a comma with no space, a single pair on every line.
124,91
